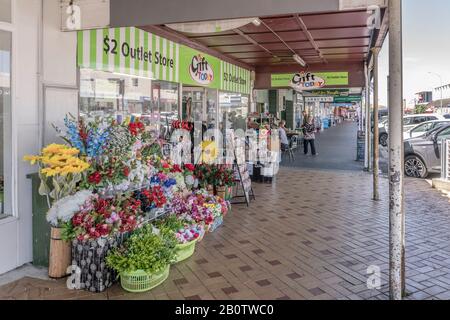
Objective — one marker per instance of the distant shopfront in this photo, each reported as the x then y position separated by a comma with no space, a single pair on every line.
131,72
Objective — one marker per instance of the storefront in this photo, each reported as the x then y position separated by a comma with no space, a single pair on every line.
131,72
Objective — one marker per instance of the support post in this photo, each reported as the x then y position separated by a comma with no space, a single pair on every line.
367,151
396,154
376,134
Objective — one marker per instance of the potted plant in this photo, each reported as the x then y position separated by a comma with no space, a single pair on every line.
224,180
60,172
143,261
187,234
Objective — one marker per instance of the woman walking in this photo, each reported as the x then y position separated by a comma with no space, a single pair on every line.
309,130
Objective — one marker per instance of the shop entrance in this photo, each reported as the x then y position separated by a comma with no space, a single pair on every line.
200,105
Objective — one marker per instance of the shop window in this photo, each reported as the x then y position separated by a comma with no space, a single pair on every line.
5,11
165,104
5,124
106,94
233,110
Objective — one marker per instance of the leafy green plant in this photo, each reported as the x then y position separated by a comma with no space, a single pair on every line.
147,249
172,223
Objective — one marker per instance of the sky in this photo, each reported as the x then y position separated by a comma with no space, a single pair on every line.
426,48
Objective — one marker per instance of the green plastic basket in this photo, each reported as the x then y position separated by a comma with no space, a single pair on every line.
185,250
141,281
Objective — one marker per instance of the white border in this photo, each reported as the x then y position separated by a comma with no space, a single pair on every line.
11,27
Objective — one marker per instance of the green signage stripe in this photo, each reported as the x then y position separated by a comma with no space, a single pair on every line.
80,48
93,49
146,36
136,45
117,56
105,54
153,54
128,58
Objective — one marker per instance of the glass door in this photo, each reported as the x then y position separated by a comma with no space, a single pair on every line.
194,108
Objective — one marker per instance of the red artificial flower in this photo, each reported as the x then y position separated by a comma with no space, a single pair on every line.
190,167
95,178
126,171
176,168
166,165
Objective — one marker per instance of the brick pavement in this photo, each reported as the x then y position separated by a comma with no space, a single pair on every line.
310,235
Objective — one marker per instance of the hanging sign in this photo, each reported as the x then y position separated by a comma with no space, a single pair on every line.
309,80
306,80
348,99
319,99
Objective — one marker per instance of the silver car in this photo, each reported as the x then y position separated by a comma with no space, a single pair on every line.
423,154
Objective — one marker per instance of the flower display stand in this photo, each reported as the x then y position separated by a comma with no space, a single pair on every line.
185,250
90,257
141,281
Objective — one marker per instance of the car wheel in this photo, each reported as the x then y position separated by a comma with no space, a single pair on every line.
384,139
415,167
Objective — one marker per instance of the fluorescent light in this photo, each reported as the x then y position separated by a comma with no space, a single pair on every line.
299,60
256,22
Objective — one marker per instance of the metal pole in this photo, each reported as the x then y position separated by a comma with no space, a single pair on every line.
376,134
367,119
396,153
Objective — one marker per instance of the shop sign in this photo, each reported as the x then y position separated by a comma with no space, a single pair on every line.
200,70
319,99
329,92
306,80
135,52
130,51
309,80
208,71
348,99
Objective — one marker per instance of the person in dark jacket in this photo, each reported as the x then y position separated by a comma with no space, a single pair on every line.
309,132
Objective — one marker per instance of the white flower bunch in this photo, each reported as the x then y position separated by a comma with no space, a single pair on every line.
64,209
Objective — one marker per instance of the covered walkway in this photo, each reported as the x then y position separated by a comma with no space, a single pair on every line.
336,147
312,235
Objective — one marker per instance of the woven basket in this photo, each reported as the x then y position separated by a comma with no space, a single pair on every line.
141,281
185,250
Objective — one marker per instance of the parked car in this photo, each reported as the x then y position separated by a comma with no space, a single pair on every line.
409,122
423,128
423,154
447,116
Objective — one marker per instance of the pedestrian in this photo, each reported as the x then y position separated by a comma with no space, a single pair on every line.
309,138
283,136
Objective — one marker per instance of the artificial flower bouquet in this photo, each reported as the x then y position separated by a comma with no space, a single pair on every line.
101,218
187,234
60,170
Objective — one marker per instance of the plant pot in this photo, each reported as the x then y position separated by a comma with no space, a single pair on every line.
90,257
221,192
141,281
185,250
60,254
210,189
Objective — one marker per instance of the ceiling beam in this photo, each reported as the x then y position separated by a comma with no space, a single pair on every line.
308,34
256,43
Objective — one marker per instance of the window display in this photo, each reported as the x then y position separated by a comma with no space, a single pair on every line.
233,109
106,94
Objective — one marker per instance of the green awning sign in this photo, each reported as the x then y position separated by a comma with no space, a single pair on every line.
347,99
135,52
309,80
